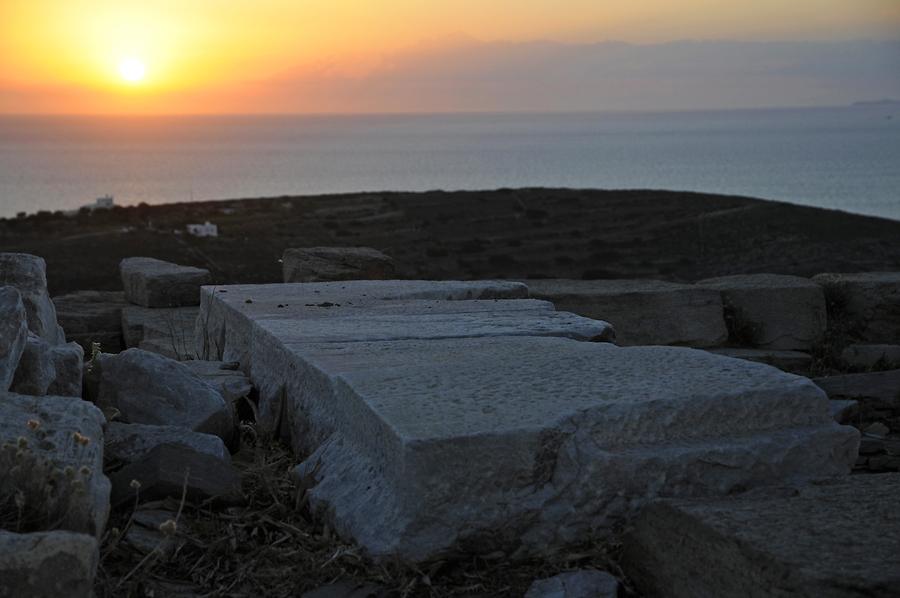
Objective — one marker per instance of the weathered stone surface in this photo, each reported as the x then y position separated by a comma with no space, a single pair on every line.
166,331
127,443
643,312
588,583
154,283
323,264
424,441
13,334
878,394
833,539
58,434
224,377
844,411
172,469
147,388
28,274
47,564
92,317
772,311
224,329
870,356
49,369
426,444
867,303
795,362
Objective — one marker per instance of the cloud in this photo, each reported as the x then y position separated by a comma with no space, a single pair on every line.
550,76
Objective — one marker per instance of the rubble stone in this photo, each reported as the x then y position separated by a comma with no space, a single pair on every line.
643,312
149,282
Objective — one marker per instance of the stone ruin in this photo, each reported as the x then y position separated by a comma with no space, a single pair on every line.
432,419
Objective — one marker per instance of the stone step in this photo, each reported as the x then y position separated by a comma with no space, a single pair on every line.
643,312
224,325
832,539
795,362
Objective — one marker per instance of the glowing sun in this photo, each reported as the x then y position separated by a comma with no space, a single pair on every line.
132,70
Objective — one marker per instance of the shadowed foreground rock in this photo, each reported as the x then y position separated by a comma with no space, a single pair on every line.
878,394
47,564
575,584
147,388
643,312
46,369
92,317
835,539
128,443
170,469
434,434
28,274
13,334
57,443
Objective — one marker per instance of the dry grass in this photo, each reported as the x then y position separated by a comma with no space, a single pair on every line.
272,547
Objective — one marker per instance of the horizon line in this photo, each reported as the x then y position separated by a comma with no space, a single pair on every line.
548,112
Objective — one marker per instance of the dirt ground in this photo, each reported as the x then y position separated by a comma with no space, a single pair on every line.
507,233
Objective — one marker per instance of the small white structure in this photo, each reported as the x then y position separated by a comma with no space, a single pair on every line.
207,229
103,203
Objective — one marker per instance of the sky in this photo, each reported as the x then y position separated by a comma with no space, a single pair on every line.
327,56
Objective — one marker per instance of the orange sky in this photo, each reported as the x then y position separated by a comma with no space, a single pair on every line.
217,55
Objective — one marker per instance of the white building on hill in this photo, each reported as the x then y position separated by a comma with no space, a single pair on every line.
207,229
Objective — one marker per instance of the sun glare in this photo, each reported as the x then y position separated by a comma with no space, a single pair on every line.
132,70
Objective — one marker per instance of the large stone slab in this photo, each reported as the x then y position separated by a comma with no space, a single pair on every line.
224,324
147,388
28,274
47,564
878,394
323,264
154,283
643,312
835,539
529,444
868,303
772,311
432,433
92,317
13,334
55,445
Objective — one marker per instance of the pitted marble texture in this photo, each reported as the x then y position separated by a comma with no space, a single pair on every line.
422,442
223,328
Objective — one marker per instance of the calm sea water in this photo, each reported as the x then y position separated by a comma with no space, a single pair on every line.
845,158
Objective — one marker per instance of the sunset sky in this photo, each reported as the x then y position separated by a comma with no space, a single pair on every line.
198,56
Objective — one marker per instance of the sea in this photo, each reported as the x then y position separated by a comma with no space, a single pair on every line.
843,158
